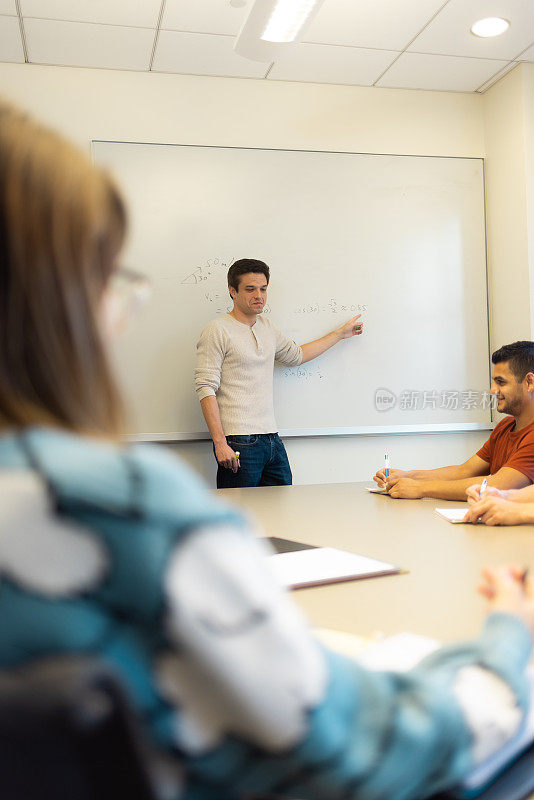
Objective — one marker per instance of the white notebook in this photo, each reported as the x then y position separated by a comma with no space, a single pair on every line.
376,490
319,565
454,515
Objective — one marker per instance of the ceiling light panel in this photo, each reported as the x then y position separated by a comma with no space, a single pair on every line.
450,32
320,63
286,20
441,73
489,27
138,13
10,41
203,54
385,24
79,44
204,16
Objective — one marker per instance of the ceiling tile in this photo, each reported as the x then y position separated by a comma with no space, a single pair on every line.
497,77
79,44
10,40
141,13
385,24
528,55
445,73
449,33
321,63
204,16
203,54
8,7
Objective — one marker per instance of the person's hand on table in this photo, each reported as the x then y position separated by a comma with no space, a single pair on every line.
493,509
394,474
226,457
510,591
405,488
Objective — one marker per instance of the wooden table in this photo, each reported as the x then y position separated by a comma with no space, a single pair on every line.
435,596
436,593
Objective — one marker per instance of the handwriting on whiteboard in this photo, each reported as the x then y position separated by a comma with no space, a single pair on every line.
221,303
303,373
333,306
212,267
217,267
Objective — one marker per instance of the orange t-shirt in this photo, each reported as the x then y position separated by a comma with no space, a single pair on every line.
507,447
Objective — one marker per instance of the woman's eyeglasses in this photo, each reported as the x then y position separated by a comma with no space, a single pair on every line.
130,289
126,294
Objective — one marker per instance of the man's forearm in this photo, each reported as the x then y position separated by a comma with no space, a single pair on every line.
210,409
316,348
524,495
447,489
442,474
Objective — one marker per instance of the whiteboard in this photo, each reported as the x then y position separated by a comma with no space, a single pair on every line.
400,239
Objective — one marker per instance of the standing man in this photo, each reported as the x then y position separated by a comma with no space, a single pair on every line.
236,354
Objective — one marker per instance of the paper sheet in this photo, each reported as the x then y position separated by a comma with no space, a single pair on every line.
454,515
325,565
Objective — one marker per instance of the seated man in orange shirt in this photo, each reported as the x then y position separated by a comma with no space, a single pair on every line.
507,458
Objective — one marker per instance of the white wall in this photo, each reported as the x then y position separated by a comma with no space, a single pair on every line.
104,104
506,210
509,129
527,71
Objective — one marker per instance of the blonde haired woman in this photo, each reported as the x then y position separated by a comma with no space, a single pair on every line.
122,552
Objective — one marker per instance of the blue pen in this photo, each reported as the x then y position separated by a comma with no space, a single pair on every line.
386,470
483,487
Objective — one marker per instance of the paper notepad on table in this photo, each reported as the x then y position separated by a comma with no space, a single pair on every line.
454,515
298,565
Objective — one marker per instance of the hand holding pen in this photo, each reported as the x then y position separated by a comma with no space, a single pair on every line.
491,506
479,491
387,475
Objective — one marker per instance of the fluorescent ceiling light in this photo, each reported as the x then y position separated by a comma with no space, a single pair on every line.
272,26
490,26
286,20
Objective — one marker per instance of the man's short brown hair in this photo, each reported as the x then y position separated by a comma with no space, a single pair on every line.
244,266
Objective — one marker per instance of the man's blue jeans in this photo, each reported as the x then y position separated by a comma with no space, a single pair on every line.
263,462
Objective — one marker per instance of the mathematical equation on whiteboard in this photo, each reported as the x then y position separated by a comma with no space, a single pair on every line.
212,268
221,308
332,307
215,268
303,373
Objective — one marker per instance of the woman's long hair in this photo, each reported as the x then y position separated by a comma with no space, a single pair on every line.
62,225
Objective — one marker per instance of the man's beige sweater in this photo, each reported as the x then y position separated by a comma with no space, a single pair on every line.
235,363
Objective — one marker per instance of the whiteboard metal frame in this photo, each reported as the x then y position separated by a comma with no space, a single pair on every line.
369,430
364,430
